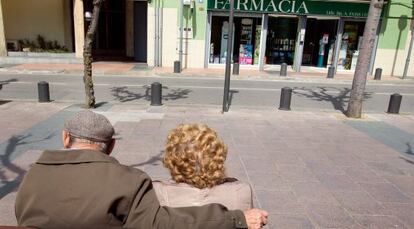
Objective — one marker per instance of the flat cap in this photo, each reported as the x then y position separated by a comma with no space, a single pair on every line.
91,126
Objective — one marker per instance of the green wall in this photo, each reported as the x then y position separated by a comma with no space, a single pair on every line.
396,24
196,18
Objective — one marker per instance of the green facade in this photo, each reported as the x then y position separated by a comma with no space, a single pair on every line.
195,18
296,7
395,27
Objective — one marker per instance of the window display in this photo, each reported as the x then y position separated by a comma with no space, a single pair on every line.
281,40
319,42
246,40
351,40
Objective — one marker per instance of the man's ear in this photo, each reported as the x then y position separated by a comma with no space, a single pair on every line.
111,146
66,139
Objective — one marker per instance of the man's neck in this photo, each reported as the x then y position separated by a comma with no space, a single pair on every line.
85,146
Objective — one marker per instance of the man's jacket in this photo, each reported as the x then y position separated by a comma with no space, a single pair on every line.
89,189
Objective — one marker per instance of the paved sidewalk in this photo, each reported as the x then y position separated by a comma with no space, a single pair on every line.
142,70
308,169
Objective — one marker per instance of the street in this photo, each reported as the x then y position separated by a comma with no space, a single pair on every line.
326,95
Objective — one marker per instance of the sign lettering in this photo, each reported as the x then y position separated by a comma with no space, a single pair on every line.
301,7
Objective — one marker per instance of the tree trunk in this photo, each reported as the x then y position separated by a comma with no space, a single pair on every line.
360,77
87,55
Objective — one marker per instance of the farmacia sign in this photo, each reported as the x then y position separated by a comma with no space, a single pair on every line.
302,7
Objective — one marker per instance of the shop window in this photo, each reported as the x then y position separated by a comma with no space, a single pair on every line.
281,40
351,42
319,43
246,40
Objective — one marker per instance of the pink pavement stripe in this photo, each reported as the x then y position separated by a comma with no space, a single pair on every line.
96,66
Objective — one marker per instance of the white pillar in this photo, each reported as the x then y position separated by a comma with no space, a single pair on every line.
208,41
79,25
263,37
338,42
300,37
3,46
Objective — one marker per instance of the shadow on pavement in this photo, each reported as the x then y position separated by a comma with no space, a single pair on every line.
9,185
154,160
3,82
409,149
323,94
4,101
231,94
123,94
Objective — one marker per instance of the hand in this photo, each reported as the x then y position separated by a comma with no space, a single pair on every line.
255,218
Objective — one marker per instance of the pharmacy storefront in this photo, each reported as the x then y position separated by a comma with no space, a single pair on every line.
296,32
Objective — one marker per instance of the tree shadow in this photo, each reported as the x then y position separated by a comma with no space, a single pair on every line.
9,185
154,160
123,94
176,94
409,149
409,157
402,24
4,101
231,94
338,101
4,82
230,99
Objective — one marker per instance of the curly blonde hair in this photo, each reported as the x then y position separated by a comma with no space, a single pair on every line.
195,155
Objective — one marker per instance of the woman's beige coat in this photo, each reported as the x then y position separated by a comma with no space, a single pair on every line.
233,195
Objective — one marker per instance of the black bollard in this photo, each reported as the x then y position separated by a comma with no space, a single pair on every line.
177,66
283,69
285,97
331,73
156,94
395,103
43,91
378,73
236,68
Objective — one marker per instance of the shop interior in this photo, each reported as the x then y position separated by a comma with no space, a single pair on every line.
281,40
351,41
246,40
319,43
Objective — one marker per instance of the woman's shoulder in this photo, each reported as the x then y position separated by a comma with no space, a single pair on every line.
228,183
233,184
170,185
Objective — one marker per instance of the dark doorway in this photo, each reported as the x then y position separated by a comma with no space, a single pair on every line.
110,36
140,31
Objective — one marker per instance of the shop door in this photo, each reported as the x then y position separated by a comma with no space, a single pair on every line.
319,42
281,40
140,31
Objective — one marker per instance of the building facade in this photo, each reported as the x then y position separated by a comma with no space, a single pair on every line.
301,33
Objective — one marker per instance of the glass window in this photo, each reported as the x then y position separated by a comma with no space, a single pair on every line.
319,42
246,40
281,40
351,40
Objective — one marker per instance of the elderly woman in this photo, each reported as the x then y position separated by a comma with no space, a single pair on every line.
195,157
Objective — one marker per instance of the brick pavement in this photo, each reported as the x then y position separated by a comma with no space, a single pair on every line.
308,169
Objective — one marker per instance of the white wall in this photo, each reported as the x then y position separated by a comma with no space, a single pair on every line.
25,19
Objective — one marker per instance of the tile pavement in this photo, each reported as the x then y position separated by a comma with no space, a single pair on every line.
308,169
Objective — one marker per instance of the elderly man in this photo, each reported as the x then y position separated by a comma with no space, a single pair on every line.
82,186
